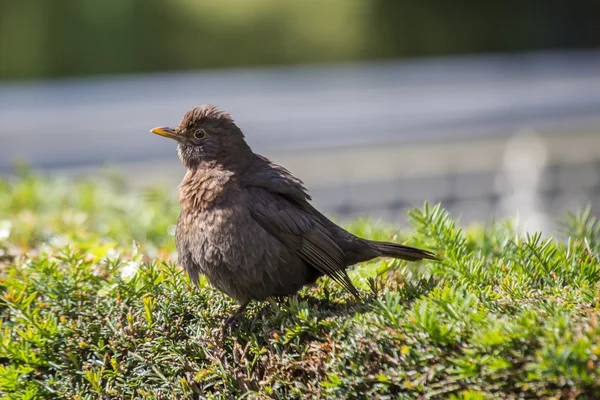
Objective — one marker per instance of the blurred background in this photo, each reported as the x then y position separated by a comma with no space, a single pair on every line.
378,105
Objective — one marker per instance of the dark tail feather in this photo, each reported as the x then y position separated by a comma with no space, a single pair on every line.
408,253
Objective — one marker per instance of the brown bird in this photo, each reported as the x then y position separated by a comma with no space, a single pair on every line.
247,224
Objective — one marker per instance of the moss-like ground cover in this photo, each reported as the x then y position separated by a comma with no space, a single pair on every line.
92,307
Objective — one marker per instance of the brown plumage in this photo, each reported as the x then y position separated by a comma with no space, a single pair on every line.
247,224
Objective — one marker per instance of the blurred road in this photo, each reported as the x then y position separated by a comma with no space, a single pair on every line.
83,122
339,126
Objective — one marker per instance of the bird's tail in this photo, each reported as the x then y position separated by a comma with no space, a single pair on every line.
400,251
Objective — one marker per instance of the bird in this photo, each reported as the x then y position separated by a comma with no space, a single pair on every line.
248,225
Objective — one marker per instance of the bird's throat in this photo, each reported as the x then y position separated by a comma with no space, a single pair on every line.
202,187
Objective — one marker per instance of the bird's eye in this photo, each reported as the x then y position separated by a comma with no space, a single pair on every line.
200,134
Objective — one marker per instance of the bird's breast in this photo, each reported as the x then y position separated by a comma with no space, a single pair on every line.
221,240
202,189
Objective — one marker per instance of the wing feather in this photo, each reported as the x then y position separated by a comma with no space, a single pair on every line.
301,232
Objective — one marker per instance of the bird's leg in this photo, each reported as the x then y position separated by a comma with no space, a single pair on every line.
238,313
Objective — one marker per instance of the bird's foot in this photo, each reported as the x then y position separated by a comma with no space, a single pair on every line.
231,320
229,324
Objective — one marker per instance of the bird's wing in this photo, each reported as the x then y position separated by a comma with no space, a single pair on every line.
277,179
300,232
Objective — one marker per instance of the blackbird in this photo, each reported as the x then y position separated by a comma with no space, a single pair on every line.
246,223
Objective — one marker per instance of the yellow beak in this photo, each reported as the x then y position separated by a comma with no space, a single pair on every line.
166,132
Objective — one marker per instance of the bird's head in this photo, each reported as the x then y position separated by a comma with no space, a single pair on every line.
206,134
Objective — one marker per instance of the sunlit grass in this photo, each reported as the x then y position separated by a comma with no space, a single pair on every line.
92,305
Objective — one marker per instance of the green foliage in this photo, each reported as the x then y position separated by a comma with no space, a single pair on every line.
85,314
41,38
